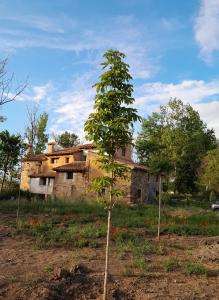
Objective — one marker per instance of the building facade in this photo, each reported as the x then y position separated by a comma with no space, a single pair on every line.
67,173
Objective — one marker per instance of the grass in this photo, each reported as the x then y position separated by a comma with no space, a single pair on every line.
170,265
195,268
83,223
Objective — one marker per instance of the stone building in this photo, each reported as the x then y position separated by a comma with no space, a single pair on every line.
67,173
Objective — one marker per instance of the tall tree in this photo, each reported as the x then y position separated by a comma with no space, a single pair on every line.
109,127
67,139
10,150
35,131
181,137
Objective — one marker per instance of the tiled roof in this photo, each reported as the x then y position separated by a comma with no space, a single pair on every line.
65,151
32,157
77,166
44,174
71,150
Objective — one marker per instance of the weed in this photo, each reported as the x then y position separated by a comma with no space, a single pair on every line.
139,263
170,265
195,268
48,269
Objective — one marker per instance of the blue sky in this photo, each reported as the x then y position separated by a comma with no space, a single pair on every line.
172,48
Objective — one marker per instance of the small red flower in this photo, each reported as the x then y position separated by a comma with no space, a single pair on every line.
114,232
34,221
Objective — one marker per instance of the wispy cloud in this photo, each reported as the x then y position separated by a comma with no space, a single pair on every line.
202,95
37,93
123,33
206,28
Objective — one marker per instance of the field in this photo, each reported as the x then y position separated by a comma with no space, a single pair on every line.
56,251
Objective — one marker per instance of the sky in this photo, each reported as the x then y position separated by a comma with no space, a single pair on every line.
172,48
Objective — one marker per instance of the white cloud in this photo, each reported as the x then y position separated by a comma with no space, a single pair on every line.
209,112
123,33
206,28
36,93
195,92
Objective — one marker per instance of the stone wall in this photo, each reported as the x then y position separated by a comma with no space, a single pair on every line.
139,186
70,187
29,168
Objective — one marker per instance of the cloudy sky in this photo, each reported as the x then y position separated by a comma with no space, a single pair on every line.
172,48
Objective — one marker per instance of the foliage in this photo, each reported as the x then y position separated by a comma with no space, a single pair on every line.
110,128
35,130
170,264
209,171
10,151
67,139
195,268
173,141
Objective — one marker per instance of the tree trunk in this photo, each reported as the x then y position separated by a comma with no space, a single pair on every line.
5,171
159,209
107,255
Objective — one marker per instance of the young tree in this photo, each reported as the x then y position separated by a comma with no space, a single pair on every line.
10,150
109,127
67,139
35,131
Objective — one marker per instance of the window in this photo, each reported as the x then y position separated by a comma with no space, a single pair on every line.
123,152
54,160
139,193
83,156
69,175
42,181
67,160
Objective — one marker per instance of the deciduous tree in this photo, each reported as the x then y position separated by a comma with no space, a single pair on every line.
35,130
175,140
209,171
67,139
109,127
10,150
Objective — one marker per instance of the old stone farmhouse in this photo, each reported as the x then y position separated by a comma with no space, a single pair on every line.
67,173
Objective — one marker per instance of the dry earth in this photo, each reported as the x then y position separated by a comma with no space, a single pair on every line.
53,274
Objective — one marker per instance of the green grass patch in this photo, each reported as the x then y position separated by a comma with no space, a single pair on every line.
195,268
170,265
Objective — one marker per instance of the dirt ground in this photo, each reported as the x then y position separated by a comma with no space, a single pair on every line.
30,274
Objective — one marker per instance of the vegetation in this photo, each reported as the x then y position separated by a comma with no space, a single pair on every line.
173,141
10,151
66,139
209,173
110,128
35,130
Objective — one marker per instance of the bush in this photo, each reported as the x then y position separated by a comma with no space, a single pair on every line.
195,268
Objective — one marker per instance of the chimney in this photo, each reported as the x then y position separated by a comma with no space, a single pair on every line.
29,149
50,147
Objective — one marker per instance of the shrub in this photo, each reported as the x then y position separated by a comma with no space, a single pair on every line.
195,268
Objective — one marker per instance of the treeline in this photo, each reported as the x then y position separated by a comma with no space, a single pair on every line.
175,144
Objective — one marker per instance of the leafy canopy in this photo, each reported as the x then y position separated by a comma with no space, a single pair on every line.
35,132
67,139
11,146
110,125
210,170
173,141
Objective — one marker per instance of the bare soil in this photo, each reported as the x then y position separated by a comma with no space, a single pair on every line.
30,274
